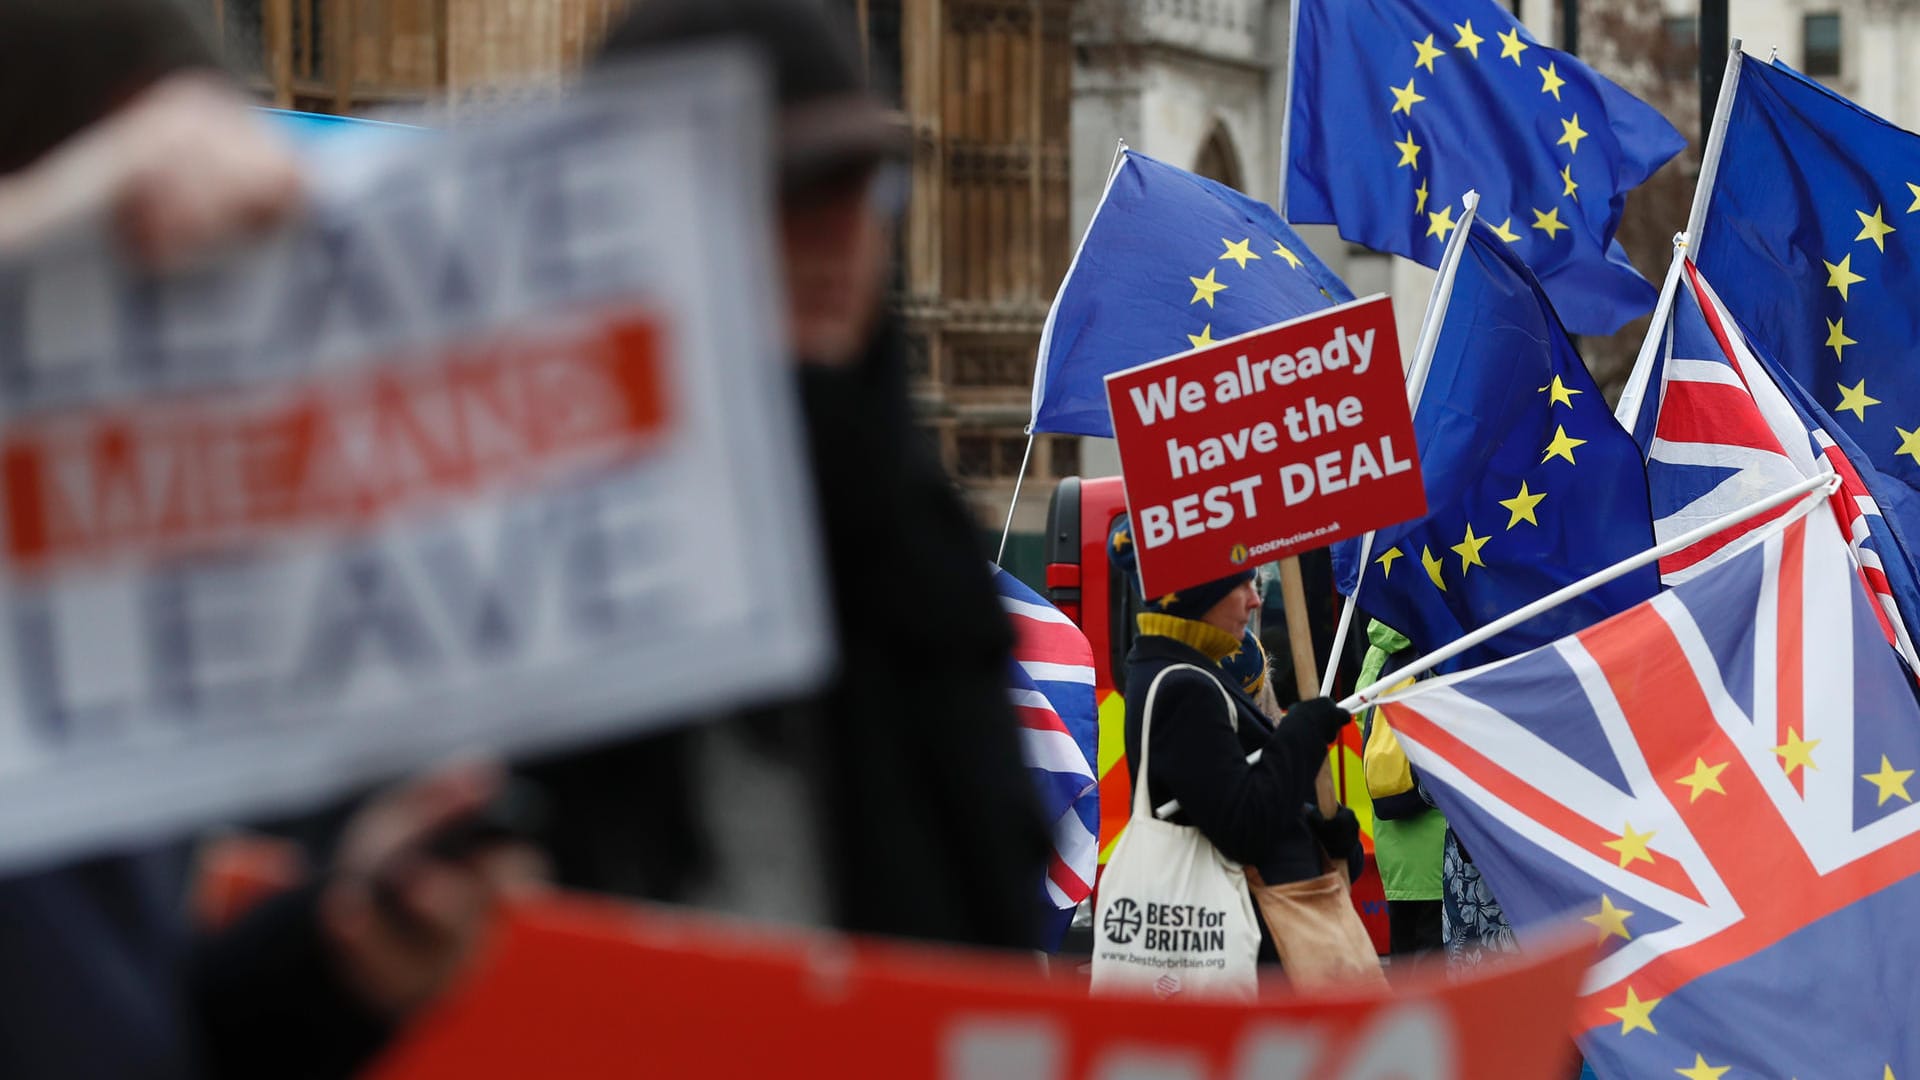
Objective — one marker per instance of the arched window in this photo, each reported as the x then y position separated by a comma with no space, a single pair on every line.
1218,160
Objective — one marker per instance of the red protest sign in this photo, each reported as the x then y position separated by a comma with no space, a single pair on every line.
597,990
1265,445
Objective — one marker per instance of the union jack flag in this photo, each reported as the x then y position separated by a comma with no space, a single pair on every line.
1052,688
1728,434
1718,781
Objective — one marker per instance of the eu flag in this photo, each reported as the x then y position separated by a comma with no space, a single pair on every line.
1399,107
1531,483
1809,237
1171,262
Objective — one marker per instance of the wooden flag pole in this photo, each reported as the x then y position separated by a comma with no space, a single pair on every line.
1306,676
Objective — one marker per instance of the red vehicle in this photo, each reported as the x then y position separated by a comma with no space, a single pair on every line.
1082,583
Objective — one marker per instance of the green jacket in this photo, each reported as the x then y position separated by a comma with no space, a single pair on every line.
1408,833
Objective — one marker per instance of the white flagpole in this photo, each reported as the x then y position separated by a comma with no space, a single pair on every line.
1053,309
1716,142
1812,491
1046,340
1423,348
1001,557
1286,117
1627,412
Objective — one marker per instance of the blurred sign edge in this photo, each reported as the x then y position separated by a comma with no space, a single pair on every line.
586,988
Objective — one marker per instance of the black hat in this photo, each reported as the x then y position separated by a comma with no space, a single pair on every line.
1189,603
830,124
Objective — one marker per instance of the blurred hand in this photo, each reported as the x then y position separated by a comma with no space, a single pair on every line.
185,168
402,922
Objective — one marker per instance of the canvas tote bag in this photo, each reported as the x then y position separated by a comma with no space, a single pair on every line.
1174,917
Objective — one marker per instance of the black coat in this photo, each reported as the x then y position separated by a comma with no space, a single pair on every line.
932,821
928,821
1255,814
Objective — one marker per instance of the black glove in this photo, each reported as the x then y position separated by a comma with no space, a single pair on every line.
1314,723
1339,834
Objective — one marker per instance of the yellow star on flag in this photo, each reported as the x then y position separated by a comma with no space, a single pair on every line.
1703,779
1915,188
1409,152
1549,222
1570,134
1286,253
1631,845
1550,80
1122,539
1433,565
1392,553
1611,922
1703,1071
1428,54
1909,443
1469,40
1239,252
1873,228
1855,399
1420,197
1559,393
1203,338
1521,506
1562,446
1840,275
1890,781
1796,752
1204,288
1504,231
1566,177
1442,223
1634,1014
1511,46
1837,338
1469,550
1405,98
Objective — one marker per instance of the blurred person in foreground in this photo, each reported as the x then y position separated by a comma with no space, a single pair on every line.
117,104
895,802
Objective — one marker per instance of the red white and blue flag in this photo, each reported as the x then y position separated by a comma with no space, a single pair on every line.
1719,782
1052,688
1728,433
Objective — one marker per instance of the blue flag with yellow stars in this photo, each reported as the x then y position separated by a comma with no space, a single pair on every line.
1812,237
1400,107
1531,483
1171,262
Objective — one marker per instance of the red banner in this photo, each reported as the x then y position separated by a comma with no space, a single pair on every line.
594,990
214,469
1266,445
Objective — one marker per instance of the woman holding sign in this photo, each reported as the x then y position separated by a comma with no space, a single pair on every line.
1190,727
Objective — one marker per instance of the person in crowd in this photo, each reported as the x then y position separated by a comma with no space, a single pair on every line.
1205,725
895,802
118,105
1436,898
1252,665
1408,831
